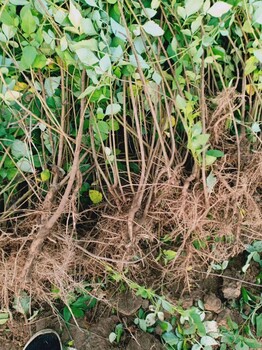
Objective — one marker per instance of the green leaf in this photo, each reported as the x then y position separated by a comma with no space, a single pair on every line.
197,129
170,338
251,65
103,127
169,254
206,6
87,27
25,165
105,64
256,257
19,2
2,38
56,291
11,173
45,175
4,316
60,15
219,9
259,325
42,7
210,160
245,294
81,302
6,17
255,247
86,56
95,196
207,40
118,30
119,330
157,78
258,54
63,43
113,108
139,45
180,102
207,341
199,244
165,326
153,29
247,27
51,84
224,264
116,53
200,141
197,347
219,51
113,125
11,95
9,31
28,56
92,303
150,319
22,303
91,3
3,173
215,153
138,59
211,182
148,12
74,15
241,346
255,127
197,321
112,337
87,91
193,6
155,4
40,61
19,149
47,142
143,325
195,25
167,306
252,343
66,314
247,264
85,302
257,17
28,21
77,312
181,12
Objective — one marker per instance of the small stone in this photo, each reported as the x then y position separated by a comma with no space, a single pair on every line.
144,341
158,330
231,289
128,303
187,302
223,317
145,304
94,341
212,303
104,326
209,316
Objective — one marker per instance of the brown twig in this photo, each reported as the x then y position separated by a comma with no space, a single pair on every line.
44,231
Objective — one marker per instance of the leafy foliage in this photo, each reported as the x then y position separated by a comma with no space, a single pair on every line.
78,307
46,46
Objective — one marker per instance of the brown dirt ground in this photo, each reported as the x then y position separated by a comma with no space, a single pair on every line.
93,331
